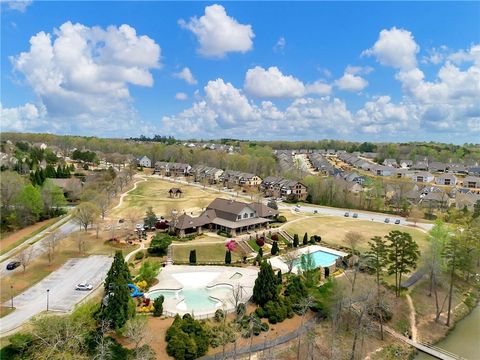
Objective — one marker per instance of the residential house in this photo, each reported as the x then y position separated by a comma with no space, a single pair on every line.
457,168
390,162
466,200
172,169
230,216
422,176
421,165
279,187
471,182
403,173
446,179
433,199
347,186
208,173
144,161
406,164
354,177
474,170
249,180
381,170
436,166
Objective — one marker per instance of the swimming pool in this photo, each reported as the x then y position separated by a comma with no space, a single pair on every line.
195,299
320,258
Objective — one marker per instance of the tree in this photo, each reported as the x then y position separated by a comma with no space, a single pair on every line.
136,330
148,271
10,187
377,260
265,288
290,258
25,257
159,244
193,257
228,257
51,243
309,270
476,210
30,201
116,305
402,255
304,305
353,238
150,218
158,306
275,249
295,240
85,213
305,239
52,196
272,204
102,201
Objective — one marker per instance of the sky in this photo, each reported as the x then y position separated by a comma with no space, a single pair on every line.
363,71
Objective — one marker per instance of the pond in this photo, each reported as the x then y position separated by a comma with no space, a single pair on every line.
463,340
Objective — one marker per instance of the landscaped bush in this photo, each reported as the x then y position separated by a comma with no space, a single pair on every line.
187,338
139,255
274,237
219,315
281,219
159,244
260,241
158,306
223,233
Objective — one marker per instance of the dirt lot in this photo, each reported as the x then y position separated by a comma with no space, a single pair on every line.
333,230
154,193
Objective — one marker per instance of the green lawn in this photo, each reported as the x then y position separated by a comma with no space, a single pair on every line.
206,253
253,244
333,230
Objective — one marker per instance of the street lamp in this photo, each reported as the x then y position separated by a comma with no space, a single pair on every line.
11,294
48,292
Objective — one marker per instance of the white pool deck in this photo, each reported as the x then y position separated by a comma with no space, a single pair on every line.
178,277
278,263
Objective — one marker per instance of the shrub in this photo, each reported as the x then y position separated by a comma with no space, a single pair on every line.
260,241
274,237
305,239
275,249
219,315
281,219
139,255
192,259
158,306
160,244
228,257
295,240
241,309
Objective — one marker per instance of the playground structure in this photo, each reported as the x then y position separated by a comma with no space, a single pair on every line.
136,292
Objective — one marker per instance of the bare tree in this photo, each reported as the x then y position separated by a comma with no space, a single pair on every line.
132,216
25,257
85,213
353,238
51,243
103,348
236,296
289,258
81,242
305,304
102,201
135,330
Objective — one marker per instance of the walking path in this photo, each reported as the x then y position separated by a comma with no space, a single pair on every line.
122,196
413,321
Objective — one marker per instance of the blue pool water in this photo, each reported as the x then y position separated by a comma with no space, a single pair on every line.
320,258
196,299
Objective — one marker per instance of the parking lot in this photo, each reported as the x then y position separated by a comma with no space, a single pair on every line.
62,296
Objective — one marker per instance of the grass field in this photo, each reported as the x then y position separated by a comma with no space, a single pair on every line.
154,193
333,230
214,253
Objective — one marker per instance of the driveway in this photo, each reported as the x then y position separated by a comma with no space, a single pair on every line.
62,295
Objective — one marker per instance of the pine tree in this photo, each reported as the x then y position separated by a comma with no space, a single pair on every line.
228,257
260,252
305,239
275,249
279,277
265,288
193,257
295,240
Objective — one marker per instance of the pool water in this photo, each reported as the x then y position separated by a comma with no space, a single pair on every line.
320,258
195,299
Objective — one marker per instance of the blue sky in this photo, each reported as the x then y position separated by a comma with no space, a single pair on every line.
255,70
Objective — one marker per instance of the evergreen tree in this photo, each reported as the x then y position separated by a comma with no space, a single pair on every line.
158,306
260,252
402,255
305,239
117,302
150,218
295,240
476,209
275,249
228,257
265,288
193,257
279,277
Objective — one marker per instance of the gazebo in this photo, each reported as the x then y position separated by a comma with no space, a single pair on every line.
175,192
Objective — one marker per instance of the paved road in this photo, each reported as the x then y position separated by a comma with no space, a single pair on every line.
39,247
62,294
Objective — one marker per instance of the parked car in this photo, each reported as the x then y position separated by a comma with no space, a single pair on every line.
296,209
121,221
355,215
397,222
347,214
315,211
84,287
13,265
139,226
387,220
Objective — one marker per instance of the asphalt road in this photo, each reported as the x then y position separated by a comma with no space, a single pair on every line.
62,294
39,247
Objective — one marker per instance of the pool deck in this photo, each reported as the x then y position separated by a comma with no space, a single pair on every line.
178,277
278,263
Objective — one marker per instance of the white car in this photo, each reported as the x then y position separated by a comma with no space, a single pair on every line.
139,226
84,287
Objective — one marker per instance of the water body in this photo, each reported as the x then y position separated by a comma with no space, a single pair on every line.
464,340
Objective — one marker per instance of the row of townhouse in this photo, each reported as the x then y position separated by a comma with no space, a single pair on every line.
322,165
172,169
233,177
434,166
206,173
285,162
435,197
283,188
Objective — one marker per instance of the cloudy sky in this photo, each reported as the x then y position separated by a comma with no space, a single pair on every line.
271,70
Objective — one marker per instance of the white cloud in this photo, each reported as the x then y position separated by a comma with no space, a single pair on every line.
462,56
19,5
396,48
280,45
271,83
350,82
186,75
319,87
218,33
82,75
181,96
22,118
